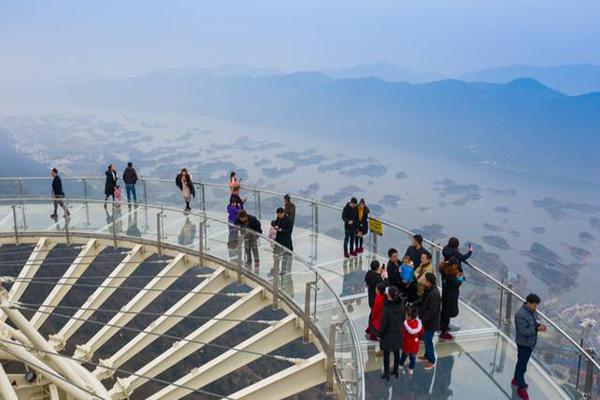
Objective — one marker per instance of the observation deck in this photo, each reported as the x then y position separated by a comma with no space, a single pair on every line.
314,293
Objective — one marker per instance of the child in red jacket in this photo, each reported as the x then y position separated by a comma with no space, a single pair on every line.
376,312
411,329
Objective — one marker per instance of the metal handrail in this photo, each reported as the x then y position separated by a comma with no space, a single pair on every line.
386,223
283,249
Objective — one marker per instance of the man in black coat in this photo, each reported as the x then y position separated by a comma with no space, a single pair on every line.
393,269
250,226
130,178
415,251
350,218
283,226
57,194
372,278
430,316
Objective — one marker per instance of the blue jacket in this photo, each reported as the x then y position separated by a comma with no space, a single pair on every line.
407,273
526,326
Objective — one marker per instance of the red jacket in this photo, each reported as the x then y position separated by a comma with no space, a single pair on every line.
377,312
411,329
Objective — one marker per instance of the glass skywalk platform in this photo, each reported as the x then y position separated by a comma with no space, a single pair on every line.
478,364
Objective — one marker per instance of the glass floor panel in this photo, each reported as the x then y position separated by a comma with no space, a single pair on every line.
474,368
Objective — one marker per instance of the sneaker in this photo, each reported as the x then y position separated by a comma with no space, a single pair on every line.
353,253
386,377
446,336
395,374
422,358
359,250
346,254
379,353
522,393
67,214
257,265
54,216
429,366
514,383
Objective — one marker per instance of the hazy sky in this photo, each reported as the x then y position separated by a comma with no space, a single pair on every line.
40,39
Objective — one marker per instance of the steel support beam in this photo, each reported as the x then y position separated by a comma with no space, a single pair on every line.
126,267
35,260
290,381
70,369
46,371
185,306
264,342
226,320
6,388
151,291
77,268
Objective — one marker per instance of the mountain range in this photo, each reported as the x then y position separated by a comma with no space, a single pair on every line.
570,79
521,125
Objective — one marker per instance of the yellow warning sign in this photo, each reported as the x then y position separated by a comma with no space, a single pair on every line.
376,227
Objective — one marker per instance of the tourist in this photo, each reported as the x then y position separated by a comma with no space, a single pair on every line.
57,194
451,250
425,268
111,183
390,331
362,228
450,292
130,178
283,226
393,269
349,215
429,312
251,228
233,210
289,208
527,326
372,279
411,330
416,250
376,313
233,182
235,197
407,276
185,184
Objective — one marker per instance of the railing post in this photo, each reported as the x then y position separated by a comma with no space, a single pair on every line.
144,192
276,261
158,233
14,210
201,242
306,315
316,206
258,212
374,235
501,317
85,193
331,358
114,225
508,307
588,387
67,220
203,192
20,184
239,260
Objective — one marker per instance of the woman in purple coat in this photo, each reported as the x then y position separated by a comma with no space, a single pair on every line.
233,209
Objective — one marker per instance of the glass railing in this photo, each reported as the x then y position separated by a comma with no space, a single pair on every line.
487,294
286,274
